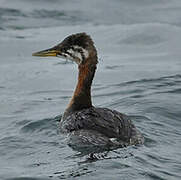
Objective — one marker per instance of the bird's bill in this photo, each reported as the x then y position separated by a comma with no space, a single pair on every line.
47,52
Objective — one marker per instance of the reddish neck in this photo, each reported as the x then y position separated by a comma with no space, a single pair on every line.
82,94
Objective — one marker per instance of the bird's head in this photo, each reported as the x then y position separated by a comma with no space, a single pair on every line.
77,47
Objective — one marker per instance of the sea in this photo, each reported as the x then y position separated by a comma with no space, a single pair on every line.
138,74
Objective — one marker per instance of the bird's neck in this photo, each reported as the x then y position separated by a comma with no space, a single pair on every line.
82,94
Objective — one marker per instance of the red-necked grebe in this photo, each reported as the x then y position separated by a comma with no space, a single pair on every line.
86,124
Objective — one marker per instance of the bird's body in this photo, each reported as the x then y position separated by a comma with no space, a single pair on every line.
101,127
85,124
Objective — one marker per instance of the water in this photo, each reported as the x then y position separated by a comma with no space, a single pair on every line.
139,73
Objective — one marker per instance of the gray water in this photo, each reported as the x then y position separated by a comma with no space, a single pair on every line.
139,74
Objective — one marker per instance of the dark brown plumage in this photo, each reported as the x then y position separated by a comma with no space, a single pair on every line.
86,124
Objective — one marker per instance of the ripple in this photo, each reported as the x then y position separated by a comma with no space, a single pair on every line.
50,91
166,113
143,88
11,12
74,173
139,118
152,175
44,125
20,37
172,78
11,144
142,38
174,91
158,158
28,178
113,67
48,13
23,122
122,92
72,16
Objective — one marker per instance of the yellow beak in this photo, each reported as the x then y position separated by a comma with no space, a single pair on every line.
47,52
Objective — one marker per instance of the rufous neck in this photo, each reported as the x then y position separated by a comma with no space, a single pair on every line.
82,94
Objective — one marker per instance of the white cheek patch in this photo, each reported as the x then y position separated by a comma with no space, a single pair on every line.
70,51
85,52
68,57
65,56
75,54
78,55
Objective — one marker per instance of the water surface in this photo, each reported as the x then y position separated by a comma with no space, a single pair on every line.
139,74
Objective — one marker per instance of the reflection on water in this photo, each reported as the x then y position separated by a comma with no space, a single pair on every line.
138,74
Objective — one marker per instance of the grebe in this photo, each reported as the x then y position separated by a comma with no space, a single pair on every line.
85,124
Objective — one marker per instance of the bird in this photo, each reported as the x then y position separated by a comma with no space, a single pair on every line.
86,125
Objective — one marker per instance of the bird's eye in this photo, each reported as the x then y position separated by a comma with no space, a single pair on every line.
63,49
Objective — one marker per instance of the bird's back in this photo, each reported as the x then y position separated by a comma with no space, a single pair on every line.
94,124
